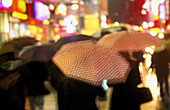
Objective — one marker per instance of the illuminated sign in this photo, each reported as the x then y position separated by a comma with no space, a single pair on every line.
61,10
162,9
22,5
5,4
20,15
41,11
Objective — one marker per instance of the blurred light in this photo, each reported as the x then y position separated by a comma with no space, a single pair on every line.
104,25
161,1
61,22
149,50
103,18
161,35
168,27
116,23
143,12
41,11
40,30
57,37
61,9
70,28
145,25
27,32
46,22
162,30
74,7
16,26
162,10
6,23
155,7
7,3
144,55
56,29
20,15
39,37
156,17
12,33
33,29
51,7
150,24
146,5
22,31
22,25
22,5
136,28
153,33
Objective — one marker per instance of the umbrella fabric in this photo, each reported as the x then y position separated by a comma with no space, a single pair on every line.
73,38
92,64
99,34
40,53
17,44
129,41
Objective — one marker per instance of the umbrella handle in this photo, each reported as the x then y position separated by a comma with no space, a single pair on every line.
131,56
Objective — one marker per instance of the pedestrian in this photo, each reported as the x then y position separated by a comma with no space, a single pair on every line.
31,84
9,65
73,94
123,96
160,60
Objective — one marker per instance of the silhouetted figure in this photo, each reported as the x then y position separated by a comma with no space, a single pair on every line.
8,77
160,60
73,94
31,84
124,95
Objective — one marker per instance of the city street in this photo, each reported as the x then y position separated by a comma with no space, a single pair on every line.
149,80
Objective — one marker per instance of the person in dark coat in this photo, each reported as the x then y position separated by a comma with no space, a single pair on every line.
160,60
31,83
123,96
73,94
8,77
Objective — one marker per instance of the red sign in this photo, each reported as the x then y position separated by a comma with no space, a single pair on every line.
53,1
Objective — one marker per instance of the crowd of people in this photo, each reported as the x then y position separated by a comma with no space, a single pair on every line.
20,81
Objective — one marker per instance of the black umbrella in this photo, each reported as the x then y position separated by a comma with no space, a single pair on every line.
72,38
17,44
42,53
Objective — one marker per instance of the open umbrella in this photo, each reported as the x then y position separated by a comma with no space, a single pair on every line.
92,64
129,41
73,38
17,44
41,53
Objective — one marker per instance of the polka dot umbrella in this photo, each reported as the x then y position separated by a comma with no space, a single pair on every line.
83,60
129,41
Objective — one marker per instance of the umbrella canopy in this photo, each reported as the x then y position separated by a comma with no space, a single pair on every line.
17,44
73,38
41,53
92,64
129,41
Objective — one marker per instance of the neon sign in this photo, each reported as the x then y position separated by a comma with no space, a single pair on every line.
5,4
41,11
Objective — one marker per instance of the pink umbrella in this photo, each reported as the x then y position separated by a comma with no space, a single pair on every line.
85,61
129,41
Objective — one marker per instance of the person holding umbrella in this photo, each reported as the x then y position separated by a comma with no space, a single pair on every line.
9,66
73,94
160,60
123,96
127,43
79,72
